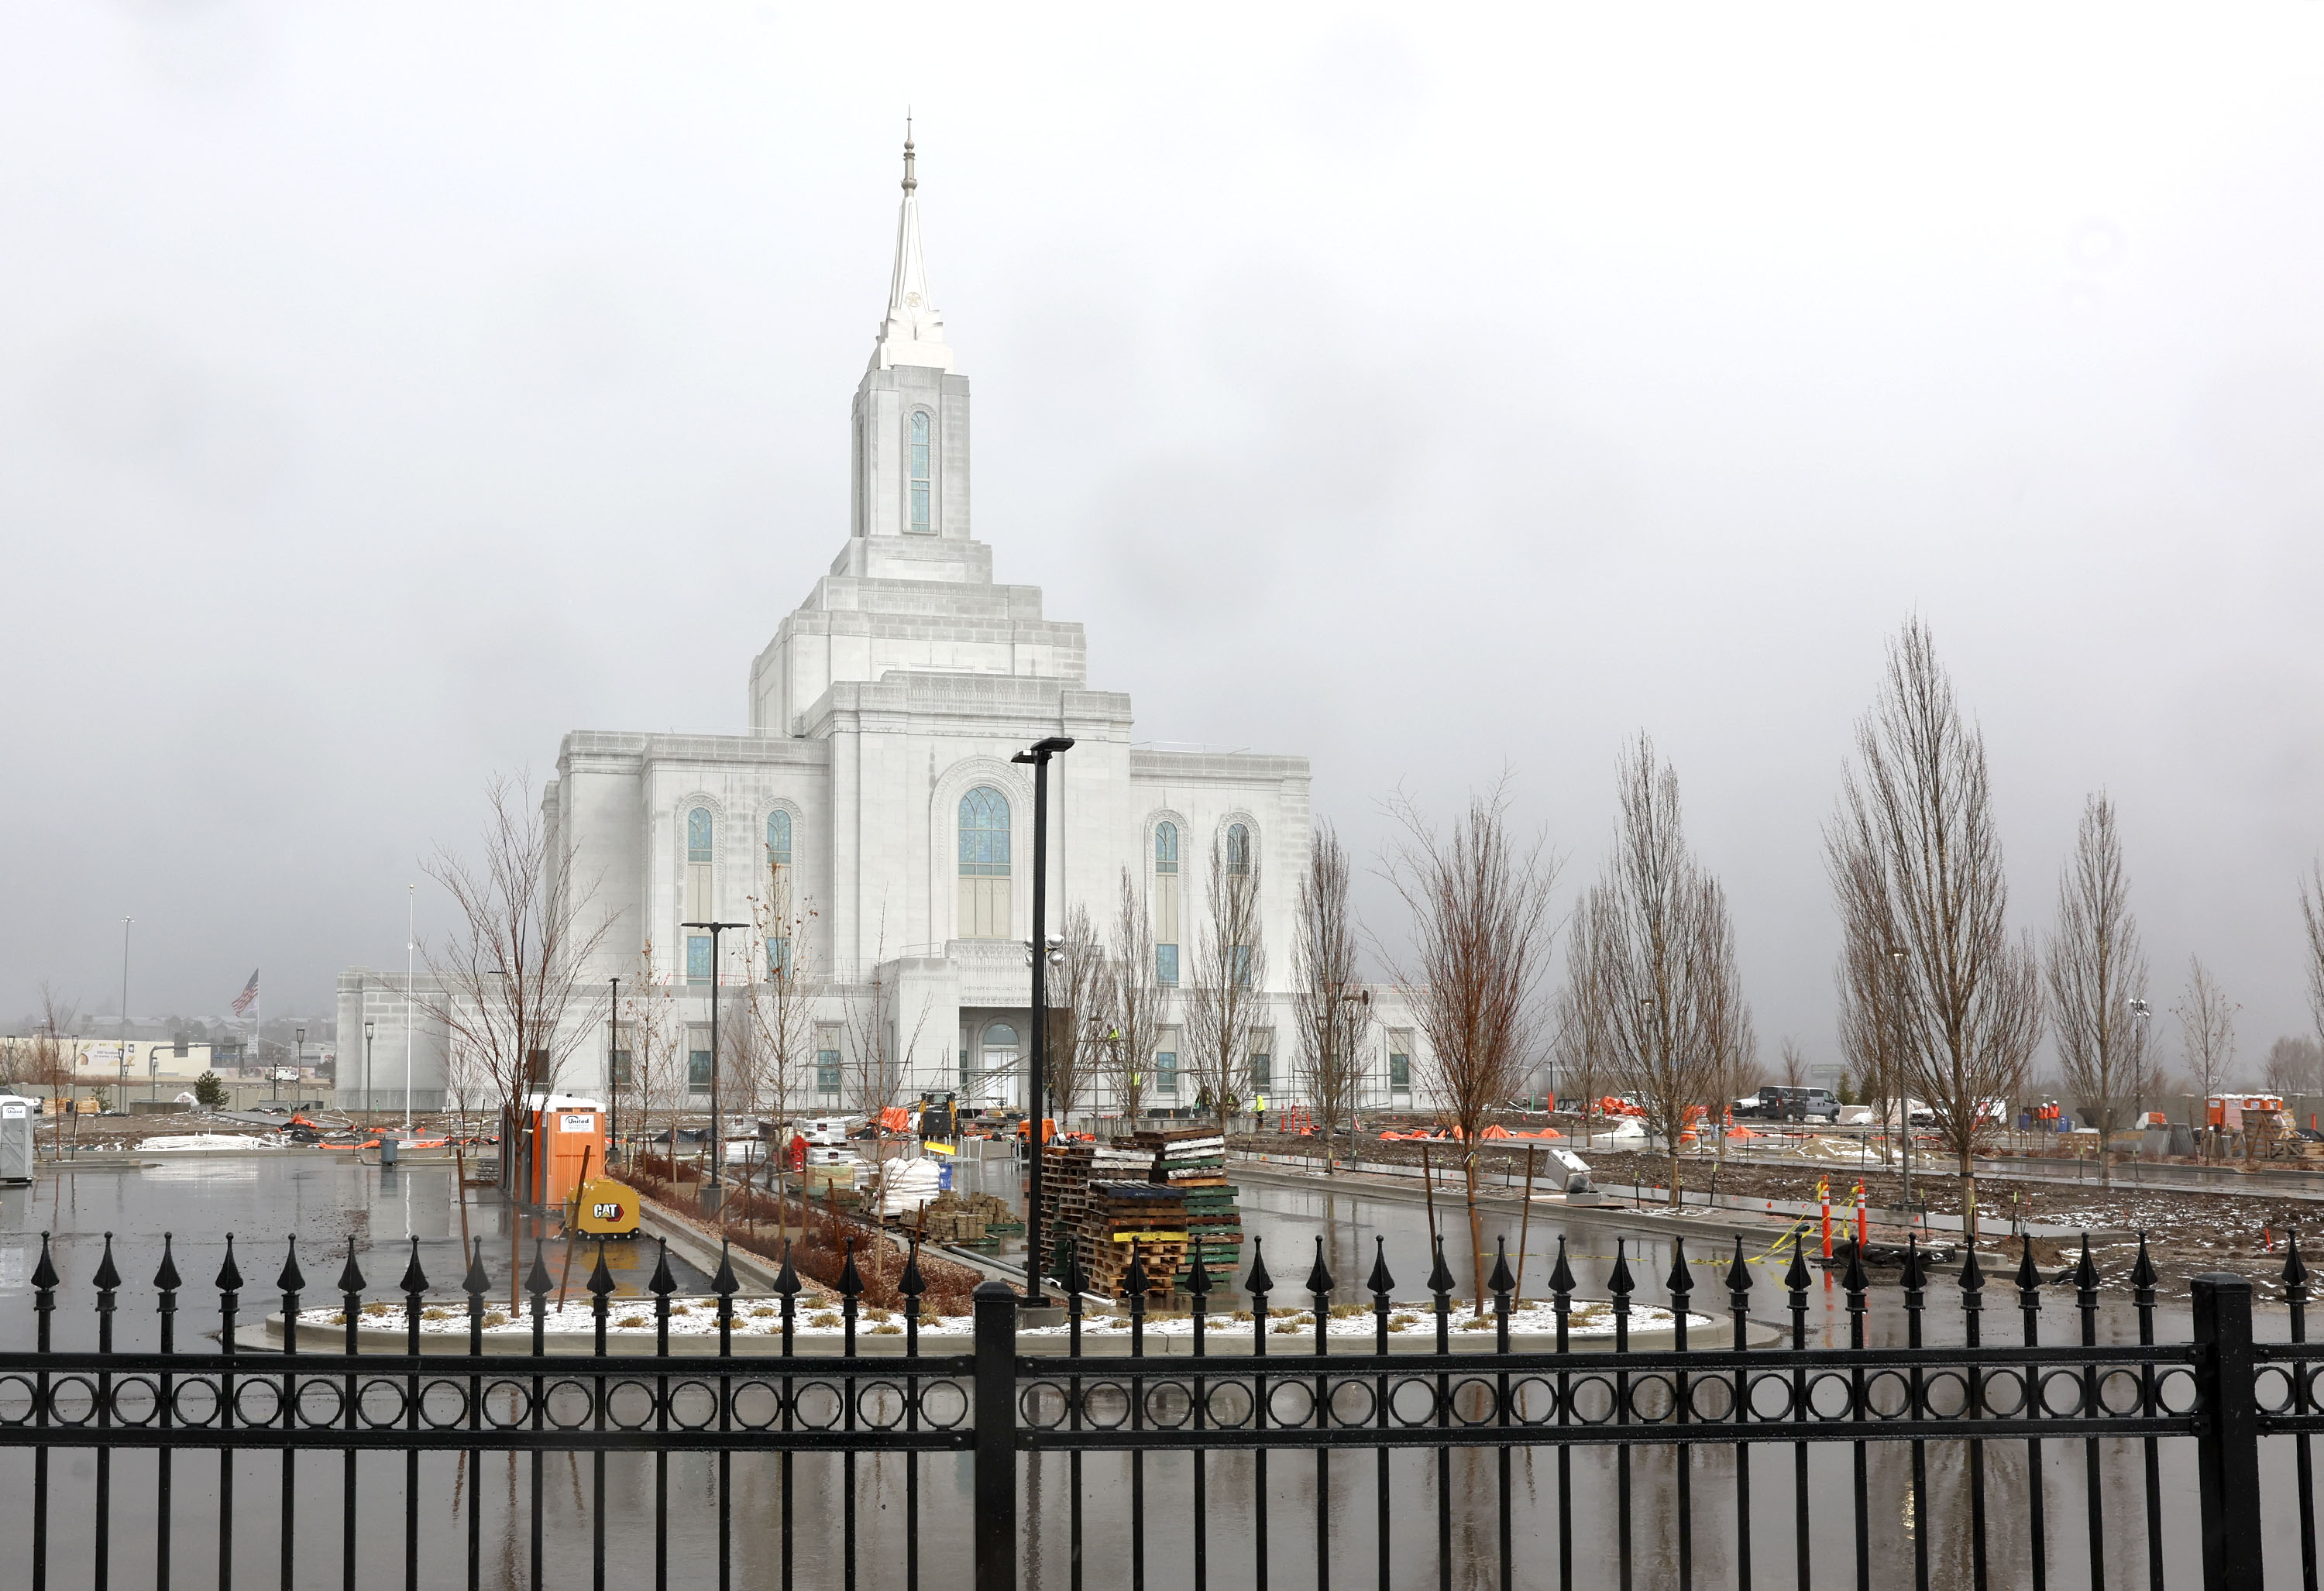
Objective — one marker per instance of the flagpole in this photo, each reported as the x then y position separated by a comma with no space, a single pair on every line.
410,937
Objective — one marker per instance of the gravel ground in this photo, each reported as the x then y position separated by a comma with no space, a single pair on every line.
2187,1230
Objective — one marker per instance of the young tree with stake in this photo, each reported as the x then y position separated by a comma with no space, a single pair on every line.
1333,1010
2097,980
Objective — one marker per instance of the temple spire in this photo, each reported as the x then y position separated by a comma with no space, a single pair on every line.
913,332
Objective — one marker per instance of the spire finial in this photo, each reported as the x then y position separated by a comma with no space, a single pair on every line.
910,180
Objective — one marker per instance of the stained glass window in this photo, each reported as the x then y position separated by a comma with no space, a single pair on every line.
1239,959
698,834
1166,848
1400,1074
1166,965
1166,1071
697,958
1238,849
983,834
779,957
698,1071
826,1072
779,837
920,470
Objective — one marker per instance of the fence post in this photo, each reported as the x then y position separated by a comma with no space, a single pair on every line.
2228,1451
996,1436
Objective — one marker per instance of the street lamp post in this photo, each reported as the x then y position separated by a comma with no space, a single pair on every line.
613,1070
714,1193
299,1065
1037,1055
368,1027
125,1015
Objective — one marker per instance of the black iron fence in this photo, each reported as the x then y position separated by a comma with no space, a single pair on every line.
1721,1405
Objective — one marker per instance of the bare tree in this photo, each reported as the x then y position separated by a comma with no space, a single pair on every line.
1481,938
1332,1008
1580,1042
511,979
1793,1066
655,1028
880,1052
1227,995
1675,1018
49,1060
2311,917
1918,807
1134,1001
1868,981
1079,989
2207,1031
781,1022
2292,1065
2097,980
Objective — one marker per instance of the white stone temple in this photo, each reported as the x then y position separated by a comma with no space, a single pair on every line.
876,771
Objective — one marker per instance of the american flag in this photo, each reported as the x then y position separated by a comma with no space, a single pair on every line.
242,1002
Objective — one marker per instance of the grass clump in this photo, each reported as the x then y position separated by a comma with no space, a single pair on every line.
1402,1322
824,1321
887,1329
631,1322
495,1317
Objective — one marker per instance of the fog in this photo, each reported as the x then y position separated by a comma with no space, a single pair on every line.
385,391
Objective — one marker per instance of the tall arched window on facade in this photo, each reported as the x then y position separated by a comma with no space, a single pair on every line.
920,470
985,864
1165,905
778,863
701,831
1238,850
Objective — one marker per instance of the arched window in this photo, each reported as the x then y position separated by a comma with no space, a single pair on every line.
920,470
700,831
985,864
997,1063
779,857
1165,905
1238,850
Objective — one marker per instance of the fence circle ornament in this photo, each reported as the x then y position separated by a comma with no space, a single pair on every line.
818,1406
879,1405
1533,1400
257,1402
1105,1405
444,1406
2060,1393
2121,1394
1831,1396
1227,1404
1945,1394
319,1405
16,1400
1771,1398
72,1400
1290,1402
380,1404
1169,1404
1043,1405
1887,1395
572,1405
507,1405
2175,1392
2002,1395
629,1405
1591,1400
1475,1400
1652,1398
944,1404
1413,1401
693,1405
1710,1400
1351,1403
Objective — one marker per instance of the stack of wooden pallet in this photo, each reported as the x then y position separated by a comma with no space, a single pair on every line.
1191,1162
1146,1215
1065,1167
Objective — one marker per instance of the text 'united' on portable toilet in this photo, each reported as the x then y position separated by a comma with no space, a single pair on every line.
568,1147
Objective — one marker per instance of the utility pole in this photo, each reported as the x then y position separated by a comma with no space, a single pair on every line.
368,1027
1038,1055
125,1015
1896,1068
613,1069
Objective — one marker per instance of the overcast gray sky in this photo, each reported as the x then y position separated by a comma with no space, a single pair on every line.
386,390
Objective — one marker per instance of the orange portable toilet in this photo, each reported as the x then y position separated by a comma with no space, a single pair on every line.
568,1146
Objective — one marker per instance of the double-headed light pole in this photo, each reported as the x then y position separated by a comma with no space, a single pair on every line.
713,1192
1038,1055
